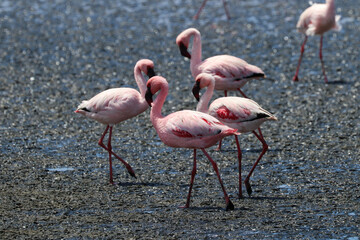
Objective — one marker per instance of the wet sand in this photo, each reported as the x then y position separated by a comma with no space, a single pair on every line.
54,176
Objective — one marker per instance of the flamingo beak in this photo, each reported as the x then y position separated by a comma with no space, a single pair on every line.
150,72
183,50
196,90
149,95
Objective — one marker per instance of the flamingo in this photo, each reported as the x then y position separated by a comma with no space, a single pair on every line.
236,112
316,20
115,105
231,73
186,129
203,5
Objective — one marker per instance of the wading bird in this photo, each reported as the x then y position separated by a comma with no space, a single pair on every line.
231,73
203,5
115,105
236,112
186,129
316,20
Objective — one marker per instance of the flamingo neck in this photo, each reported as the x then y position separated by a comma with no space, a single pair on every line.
158,103
330,6
195,53
141,81
203,105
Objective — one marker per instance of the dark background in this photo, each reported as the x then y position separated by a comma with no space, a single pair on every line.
54,176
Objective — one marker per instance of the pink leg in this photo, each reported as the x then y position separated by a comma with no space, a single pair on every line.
295,78
128,167
229,204
265,148
242,93
226,9
321,59
193,173
219,147
200,9
109,150
239,161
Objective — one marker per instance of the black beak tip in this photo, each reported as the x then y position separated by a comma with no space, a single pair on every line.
150,72
183,50
148,96
196,91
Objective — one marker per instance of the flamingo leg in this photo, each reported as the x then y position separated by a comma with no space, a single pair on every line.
110,160
226,9
265,148
242,93
219,147
128,167
193,173
229,204
321,59
295,78
239,161
200,9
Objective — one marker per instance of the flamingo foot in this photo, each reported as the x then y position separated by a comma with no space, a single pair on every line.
326,80
240,196
131,172
295,78
185,206
248,187
229,205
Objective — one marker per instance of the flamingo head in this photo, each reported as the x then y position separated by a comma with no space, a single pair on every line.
183,42
154,85
202,80
184,50
196,90
147,67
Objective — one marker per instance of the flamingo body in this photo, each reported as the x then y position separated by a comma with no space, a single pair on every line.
115,105
236,112
186,129
316,20
241,113
231,73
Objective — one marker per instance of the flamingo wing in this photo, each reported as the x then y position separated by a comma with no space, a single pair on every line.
236,110
192,124
230,67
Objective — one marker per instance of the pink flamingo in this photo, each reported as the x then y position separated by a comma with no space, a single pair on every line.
316,20
231,73
115,105
203,5
236,112
186,129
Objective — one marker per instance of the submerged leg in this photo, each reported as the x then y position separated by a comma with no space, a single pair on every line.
265,148
295,78
321,59
229,204
193,173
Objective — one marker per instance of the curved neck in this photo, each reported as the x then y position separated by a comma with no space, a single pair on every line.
203,105
157,105
330,6
141,81
195,53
